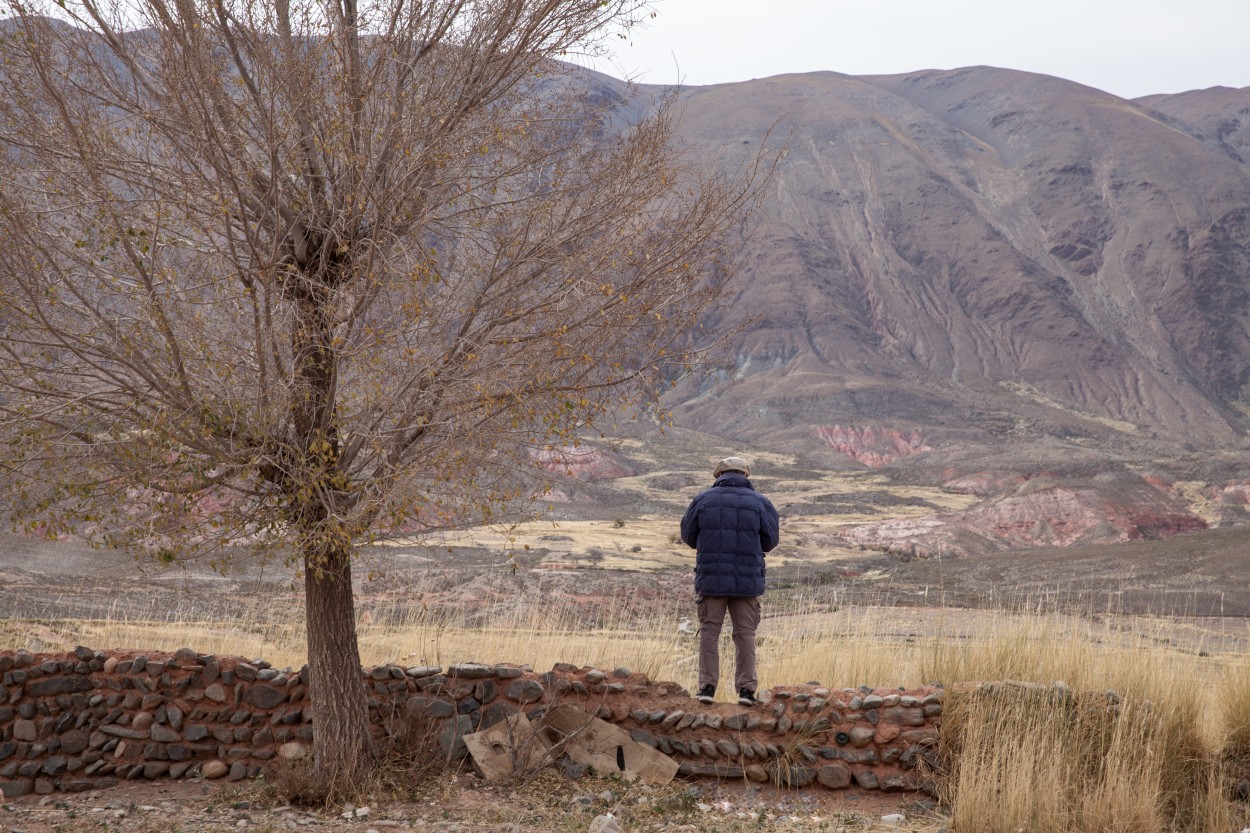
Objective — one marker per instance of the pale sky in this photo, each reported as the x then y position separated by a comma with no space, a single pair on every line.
1126,47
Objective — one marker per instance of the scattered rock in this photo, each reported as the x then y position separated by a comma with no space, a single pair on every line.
606,824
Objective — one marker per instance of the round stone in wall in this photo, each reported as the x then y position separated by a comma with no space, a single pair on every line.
525,691
213,769
25,730
292,751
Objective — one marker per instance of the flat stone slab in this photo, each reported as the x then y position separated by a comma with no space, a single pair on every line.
608,748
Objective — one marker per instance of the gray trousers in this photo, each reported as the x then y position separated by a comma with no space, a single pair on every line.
745,615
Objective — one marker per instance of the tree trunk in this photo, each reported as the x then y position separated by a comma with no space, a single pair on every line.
342,741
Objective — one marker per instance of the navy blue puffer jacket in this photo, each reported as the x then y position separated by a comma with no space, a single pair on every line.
730,526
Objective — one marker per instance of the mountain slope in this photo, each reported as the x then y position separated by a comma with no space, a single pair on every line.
980,252
1218,116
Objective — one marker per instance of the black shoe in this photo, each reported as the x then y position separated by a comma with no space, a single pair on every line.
746,697
707,694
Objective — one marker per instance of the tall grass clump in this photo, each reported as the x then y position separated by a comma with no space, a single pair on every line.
1081,733
1234,695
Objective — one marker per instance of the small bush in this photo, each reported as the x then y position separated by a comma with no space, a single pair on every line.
406,756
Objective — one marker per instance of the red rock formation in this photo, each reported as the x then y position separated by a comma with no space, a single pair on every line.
1040,513
984,483
873,446
583,462
1236,492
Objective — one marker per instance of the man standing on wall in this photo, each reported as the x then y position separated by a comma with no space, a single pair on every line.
730,526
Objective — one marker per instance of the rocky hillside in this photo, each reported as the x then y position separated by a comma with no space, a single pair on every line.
1042,512
983,256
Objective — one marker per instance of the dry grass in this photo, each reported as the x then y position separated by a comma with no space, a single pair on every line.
1109,730
1112,727
1234,697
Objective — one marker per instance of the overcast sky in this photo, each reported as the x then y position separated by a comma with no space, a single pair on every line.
1127,47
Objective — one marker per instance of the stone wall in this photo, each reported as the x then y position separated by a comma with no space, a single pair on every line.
89,719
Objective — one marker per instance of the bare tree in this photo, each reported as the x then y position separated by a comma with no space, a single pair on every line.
299,274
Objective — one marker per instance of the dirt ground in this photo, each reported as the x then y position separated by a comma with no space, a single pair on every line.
462,803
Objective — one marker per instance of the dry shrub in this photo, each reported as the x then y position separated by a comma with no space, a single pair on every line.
797,751
526,747
407,755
